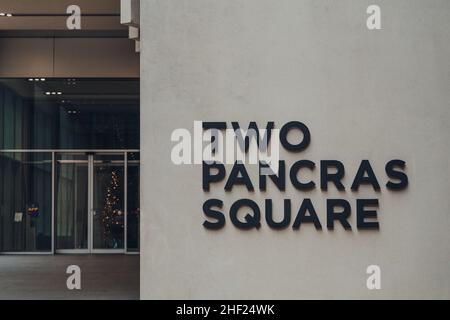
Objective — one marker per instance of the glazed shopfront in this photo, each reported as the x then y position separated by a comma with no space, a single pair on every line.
69,165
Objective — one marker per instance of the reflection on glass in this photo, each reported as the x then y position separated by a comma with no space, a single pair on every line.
69,114
72,202
133,203
108,220
25,202
88,114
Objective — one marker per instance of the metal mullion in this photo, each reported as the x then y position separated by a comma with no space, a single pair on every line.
26,253
53,201
125,235
91,203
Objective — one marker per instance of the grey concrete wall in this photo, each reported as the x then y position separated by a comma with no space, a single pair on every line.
376,95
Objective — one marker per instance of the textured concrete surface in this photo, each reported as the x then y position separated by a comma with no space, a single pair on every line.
376,95
44,277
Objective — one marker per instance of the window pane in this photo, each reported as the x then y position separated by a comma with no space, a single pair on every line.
108,219
71,201
69,114
25,202
133,202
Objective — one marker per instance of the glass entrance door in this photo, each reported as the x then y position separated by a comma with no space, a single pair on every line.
90,198
108,214
72,203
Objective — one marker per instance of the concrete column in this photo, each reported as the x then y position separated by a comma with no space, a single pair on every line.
130,16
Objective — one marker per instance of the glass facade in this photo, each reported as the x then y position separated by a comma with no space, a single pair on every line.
72,208
25,202
58,189
109,203
133,201
69,114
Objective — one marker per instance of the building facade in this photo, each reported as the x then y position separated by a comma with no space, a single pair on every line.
92,119
69,130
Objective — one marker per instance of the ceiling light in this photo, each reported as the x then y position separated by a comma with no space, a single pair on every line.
42,79
48,93
2,14
30,79
59,92
9,15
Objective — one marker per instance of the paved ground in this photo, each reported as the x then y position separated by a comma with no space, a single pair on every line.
44,277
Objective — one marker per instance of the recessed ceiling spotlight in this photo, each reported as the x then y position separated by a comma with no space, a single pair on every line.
30,79
9,14
42,79
53,93
2,14
48,93
59,92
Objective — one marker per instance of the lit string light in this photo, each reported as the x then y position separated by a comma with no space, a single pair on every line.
110,211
